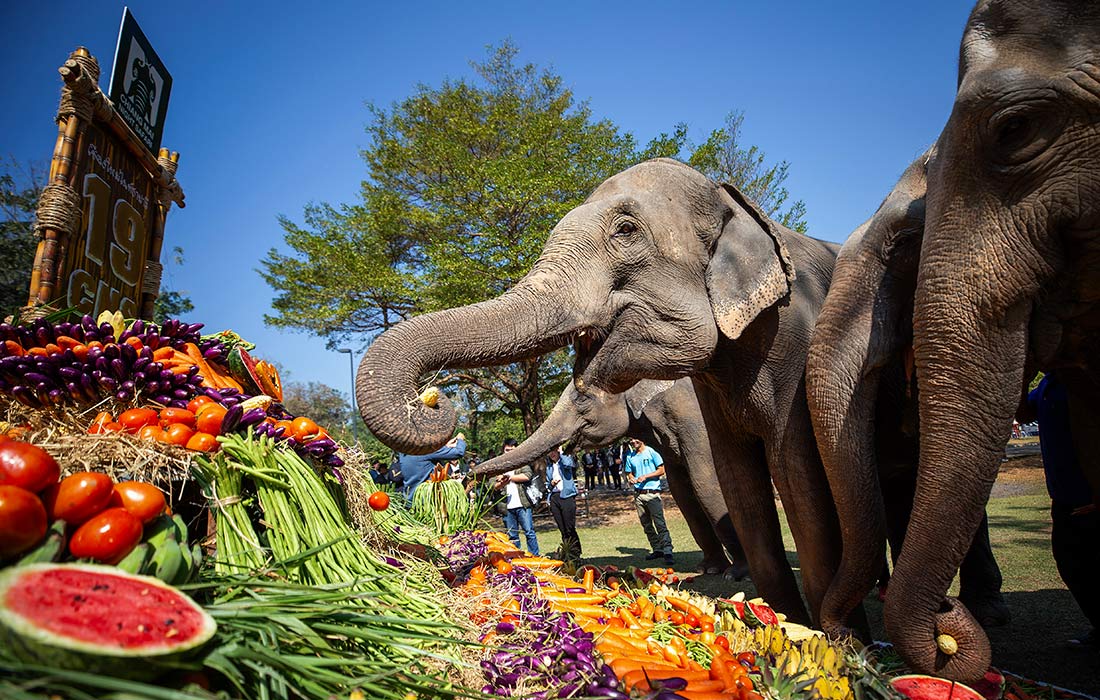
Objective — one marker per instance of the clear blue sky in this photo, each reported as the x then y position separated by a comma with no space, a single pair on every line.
267,103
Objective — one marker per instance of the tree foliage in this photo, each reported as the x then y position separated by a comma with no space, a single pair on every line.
464,183
19,188
723,157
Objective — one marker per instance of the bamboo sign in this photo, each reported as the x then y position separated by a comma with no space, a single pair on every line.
101,218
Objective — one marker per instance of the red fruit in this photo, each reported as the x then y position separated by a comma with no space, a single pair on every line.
22,520
107,537
78,497
143,501
134,419
27,466
379,500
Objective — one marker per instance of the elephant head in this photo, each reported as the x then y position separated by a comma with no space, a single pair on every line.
1008,276
642,277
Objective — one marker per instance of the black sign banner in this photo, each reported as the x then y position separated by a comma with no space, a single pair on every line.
140,84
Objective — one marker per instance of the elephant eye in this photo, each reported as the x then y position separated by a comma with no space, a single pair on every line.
625,228
1019,134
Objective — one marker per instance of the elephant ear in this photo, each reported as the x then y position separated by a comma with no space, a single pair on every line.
645,391
750,269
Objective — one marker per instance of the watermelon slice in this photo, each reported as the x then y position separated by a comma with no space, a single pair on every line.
752,614
97,618
918,687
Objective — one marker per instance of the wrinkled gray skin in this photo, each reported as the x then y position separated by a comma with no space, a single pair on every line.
1007,281
666,416
660,274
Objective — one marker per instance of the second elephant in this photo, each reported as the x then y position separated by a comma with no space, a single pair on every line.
666,415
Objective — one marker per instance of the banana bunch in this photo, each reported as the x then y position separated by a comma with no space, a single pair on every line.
771,640
51,549
164,552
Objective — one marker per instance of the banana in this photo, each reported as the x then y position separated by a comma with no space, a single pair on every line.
168,560
138,558
51,548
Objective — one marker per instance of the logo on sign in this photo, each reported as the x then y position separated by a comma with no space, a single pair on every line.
140,84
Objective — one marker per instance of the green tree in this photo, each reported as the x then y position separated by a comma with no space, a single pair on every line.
19,188
169,303
325,405
723,157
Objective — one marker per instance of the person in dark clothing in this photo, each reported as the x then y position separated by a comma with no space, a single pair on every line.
1075,521
615,470
589,460
415,469
563,501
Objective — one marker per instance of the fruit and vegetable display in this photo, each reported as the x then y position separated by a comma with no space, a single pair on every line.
286,572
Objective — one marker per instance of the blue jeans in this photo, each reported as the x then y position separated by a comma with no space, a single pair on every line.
516,518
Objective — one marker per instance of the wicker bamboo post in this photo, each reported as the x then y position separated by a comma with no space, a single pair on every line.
59,207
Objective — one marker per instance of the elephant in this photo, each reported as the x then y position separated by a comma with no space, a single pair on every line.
660,274
666,416
1005,279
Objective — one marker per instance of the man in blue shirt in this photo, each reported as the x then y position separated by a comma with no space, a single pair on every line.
644,469
1075,522
560,473
415,469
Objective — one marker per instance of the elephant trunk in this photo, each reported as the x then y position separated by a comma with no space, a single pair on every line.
529,320
561,425
970,362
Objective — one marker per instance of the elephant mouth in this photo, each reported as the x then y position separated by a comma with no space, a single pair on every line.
587,343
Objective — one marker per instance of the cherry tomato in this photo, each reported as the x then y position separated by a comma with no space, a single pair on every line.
691,621
22,520
112,427
134,419
379,500
635,609
178,434
143,501
287,426
78,497
304,429
107,537
676,617
202,442
193,404
706,626
151,432
209,418
173,416
102,419
722,641
27,466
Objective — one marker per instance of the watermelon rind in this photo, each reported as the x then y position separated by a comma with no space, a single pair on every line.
243,368
920,687
28,641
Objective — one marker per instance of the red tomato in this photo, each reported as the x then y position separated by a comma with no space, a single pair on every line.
379,500
208,419
134,419
194,404
112,427
304,429
178,434
143,501
78,497
691,620
172,416
722,641
202,442
102,419
676,617
27,466
22,520
707,626
151,432
106,538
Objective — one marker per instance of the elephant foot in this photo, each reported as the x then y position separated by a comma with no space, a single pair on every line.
712,566
736,571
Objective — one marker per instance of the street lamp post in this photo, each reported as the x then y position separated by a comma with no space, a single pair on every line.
354,412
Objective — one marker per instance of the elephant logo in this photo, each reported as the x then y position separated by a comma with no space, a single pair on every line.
143,88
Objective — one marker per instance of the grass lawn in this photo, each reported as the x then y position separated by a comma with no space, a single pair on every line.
1044,614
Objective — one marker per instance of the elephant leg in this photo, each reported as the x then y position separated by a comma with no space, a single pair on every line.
743,474
727,534
702,529
980,581
807,501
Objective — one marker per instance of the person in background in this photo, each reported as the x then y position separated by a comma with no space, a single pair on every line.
614,470
601,468
517,506
560,474
1075,521
589,470
644,468
375,470
415,469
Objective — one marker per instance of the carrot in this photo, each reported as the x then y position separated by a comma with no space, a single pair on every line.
13,348
622,665
691,677
135,343
683,606
589,579
659,614
628,618
671,655
589,610
66,342
162,353
556,597
538,563
706,695
680,647
647,608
